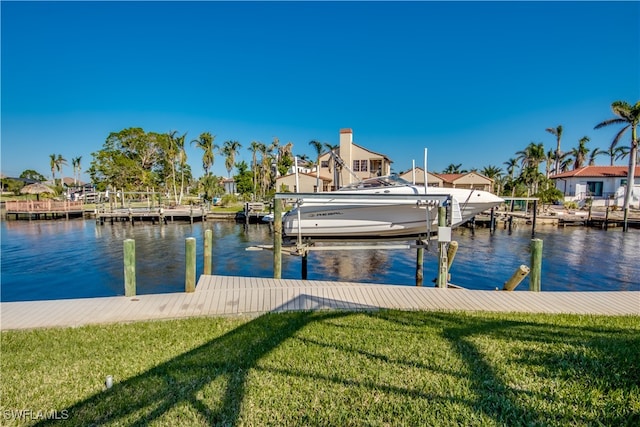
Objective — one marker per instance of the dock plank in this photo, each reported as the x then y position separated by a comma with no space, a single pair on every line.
232,295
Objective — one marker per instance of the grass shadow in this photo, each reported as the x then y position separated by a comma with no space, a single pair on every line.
602,359
209,384
142,399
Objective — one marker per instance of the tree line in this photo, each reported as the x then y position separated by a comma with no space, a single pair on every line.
524,178
135,160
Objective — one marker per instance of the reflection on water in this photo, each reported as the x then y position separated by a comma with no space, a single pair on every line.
73,259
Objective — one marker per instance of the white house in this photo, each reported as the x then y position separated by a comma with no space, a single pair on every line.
600,183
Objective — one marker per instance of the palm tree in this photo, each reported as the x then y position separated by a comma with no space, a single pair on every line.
580,153
285,158
205,143
453,168
182,162
616,153
52,163
566,162
254,147
531,157
548,162
332,164
557,131
317,145
170,157
230,151
512,164
494,173
594,153
530,176
265,168
628,116
59,162
75,163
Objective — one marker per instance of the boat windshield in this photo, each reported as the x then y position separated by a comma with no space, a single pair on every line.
377,182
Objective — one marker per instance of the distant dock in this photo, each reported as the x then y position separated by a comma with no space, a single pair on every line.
154,215
44,209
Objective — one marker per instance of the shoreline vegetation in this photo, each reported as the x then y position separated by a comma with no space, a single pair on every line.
383,367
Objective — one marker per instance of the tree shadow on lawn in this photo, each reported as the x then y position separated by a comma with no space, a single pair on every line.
603,357
186,380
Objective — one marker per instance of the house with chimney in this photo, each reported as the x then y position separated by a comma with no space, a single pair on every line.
347,163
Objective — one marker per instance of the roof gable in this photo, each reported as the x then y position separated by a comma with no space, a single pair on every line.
372,152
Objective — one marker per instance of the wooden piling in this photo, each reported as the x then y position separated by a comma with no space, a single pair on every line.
533,222
511,216
277,238
305,260
492,222
190,265
536,265
443,272
419,264
517,277
208,244
129,267
451,253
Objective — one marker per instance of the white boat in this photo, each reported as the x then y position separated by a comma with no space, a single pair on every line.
410,211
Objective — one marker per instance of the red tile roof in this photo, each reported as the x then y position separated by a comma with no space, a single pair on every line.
597,172
449,177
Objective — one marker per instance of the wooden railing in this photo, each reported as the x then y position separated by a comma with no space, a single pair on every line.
43,206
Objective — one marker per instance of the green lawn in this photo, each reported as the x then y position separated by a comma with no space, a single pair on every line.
329,368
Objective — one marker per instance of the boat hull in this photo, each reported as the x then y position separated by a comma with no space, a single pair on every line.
382,207
361,221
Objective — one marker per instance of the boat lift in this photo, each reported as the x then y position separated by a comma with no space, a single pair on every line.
303,245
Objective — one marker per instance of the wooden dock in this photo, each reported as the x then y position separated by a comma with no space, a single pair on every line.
154,215
44,209
251,296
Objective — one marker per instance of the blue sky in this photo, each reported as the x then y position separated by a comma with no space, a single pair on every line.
474,82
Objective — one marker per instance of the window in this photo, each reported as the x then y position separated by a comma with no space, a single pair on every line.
360,165
376,166
594,188
324,164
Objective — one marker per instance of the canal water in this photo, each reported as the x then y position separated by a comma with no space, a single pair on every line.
43,260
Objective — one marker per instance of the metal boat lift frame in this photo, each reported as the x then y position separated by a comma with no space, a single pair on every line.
306,244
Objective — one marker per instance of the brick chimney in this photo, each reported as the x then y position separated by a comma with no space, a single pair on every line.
346,144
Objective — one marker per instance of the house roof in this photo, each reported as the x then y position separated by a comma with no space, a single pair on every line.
597,172
373,152
337,151
452,177
420,173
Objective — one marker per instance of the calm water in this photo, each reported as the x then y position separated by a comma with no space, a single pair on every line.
75,259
